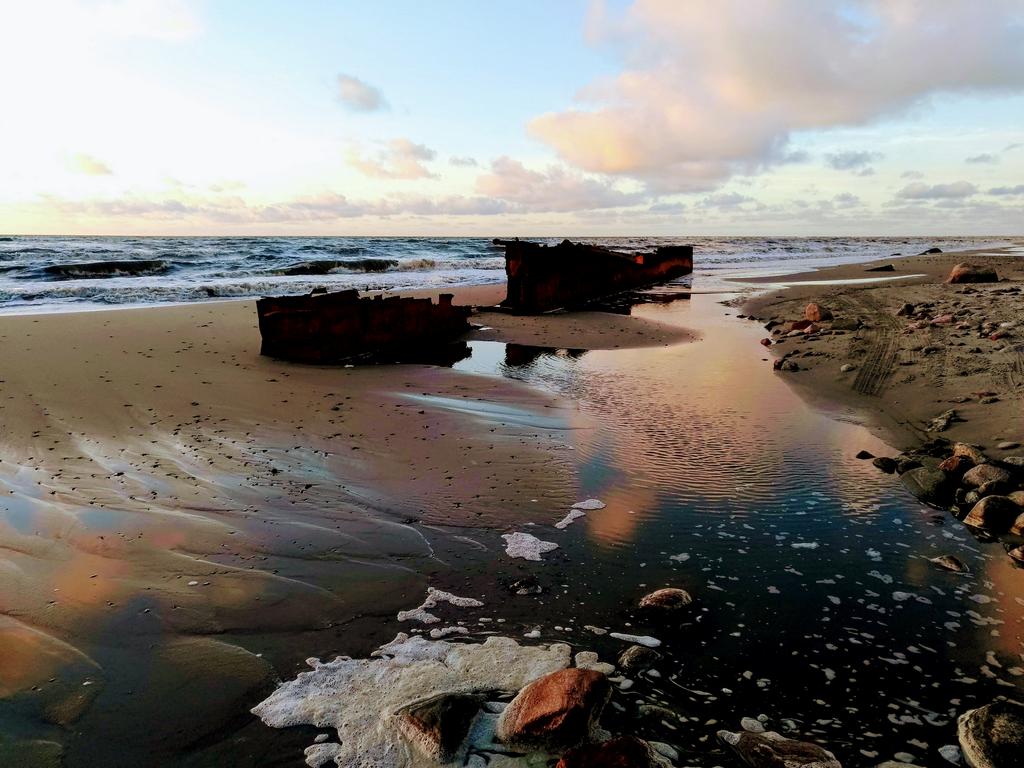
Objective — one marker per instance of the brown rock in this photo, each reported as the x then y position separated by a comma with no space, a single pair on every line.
956,465
1017,553
969,452
969,273
772,750
666,600
993,513
555,712
438,726
637,657
816,313
1018,525
1017,497
992,736
985,473
620,752
949,562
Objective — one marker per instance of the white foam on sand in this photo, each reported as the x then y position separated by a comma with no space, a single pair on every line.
526,546
435,596
589,504
574,514
363,698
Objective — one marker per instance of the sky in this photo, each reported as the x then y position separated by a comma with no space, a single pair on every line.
512,117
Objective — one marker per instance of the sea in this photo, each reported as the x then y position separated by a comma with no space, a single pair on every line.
72,273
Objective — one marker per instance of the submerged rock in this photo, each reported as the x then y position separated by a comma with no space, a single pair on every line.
885,464
992,736
620,752
668,600
555,712
949,562
438,726
927,484
637,657
773,750
993,513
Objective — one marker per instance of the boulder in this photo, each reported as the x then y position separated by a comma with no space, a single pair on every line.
905,311
772,750
927,484
885,464
1017,497
930,250
845,324
992,736
1017,529
970,273
620,752
555,712
993,513
1017,553
667,600
816,313
956,465
985,473
438,726
637,658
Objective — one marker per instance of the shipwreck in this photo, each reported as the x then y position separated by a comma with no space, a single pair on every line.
542,278
322,327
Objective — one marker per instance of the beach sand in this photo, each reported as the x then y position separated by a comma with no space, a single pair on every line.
903,371
177,508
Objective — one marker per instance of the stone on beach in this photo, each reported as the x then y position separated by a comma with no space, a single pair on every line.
526,546
885,464
993,513
555,712
970,273
668,600
927,484
992,736
816,313
637,657
985,473
772,750
949,562
969,452
438,726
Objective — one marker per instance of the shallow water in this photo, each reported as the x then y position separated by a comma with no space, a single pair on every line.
814,602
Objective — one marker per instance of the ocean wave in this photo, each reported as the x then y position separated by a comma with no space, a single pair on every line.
327,266
94,270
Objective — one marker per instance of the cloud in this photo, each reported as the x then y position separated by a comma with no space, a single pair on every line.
358,95
846,200
725,200
921,191
463,162
1011,147
911,175
984,157
851,160
400,159
554,189
87,164
711,88
1007,191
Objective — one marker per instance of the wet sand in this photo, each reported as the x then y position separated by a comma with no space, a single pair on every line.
963,349
186,522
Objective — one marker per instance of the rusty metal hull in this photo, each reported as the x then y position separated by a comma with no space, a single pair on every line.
542,278
338,327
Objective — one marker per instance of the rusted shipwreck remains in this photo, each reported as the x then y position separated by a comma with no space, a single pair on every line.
542,278
323,327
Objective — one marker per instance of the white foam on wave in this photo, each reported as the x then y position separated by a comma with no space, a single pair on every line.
526,546
434,597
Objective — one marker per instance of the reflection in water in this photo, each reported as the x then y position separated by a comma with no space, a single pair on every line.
817,605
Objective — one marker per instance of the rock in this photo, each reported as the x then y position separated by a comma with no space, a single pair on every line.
985,473
590,660
752,725
992,736
1017,553
620,752
993,513
1008,445
845,324
847,367
895,764
667,600
555,712
772,750
928,485
950,563
930,250
970,452
905,311
816,313
865,455
956,465
636,657
438,726
1017,497
994,488
1017,529
1014,461
885,464
882,268
906,463
970,273
941,422
951,752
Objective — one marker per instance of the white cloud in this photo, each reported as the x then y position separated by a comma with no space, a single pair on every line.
554,189
851,160
463,162
87,164
400,159
920,191
715,87
1007,191
984,157
358,95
